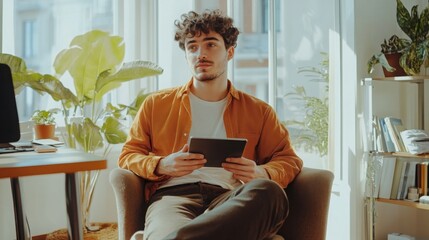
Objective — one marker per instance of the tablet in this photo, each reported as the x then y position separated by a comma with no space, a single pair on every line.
216,150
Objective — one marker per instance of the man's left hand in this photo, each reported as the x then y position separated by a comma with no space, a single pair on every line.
244,169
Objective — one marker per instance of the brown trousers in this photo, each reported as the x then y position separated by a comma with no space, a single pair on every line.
255,210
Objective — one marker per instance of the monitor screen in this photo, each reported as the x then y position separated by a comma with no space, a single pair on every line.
9,121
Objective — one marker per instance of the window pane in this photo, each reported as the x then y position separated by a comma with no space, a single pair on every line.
251,56
43,28
303,75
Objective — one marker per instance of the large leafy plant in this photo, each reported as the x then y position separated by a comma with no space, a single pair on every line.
94,62
415,49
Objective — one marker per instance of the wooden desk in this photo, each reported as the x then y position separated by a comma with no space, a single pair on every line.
65,160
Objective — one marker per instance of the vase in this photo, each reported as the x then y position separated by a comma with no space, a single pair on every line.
393,60
44,131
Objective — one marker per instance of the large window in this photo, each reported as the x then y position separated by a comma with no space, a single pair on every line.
282,55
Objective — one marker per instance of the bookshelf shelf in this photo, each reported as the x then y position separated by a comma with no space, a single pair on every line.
410,79
405,203
400,154
375,156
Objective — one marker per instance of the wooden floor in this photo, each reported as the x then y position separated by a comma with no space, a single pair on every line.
108,231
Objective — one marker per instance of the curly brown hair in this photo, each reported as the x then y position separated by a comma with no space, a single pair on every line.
193,24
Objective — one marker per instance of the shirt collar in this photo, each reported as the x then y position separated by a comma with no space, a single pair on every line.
185,89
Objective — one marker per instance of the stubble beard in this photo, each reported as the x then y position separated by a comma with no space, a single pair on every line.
203,77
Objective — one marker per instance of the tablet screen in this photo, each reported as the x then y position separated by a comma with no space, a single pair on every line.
216,150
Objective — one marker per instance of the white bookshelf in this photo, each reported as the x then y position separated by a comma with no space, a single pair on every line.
422,119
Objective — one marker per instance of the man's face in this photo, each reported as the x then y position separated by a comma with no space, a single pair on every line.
207,56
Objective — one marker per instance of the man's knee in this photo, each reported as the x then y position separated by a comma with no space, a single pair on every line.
268,186
276,194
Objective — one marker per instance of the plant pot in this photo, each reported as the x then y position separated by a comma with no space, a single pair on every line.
43,131
393,60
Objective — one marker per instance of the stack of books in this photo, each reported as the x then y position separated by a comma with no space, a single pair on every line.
416,141
391,136
395,177
400,175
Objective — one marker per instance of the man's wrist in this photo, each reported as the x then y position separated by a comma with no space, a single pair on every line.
263,173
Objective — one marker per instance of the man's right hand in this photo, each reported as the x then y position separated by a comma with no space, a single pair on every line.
180,163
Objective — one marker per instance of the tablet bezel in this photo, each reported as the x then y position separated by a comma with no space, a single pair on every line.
215,150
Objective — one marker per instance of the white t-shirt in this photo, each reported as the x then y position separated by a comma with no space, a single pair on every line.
207,121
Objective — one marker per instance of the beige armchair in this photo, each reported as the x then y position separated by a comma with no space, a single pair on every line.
308,194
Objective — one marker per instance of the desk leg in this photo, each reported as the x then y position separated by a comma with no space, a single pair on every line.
20,218
75,228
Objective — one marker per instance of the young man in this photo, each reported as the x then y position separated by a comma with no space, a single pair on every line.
243,199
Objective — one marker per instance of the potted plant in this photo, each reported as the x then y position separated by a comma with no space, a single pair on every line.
414,51
391,52
44,123
94,61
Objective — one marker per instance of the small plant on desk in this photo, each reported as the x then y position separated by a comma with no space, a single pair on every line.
44,123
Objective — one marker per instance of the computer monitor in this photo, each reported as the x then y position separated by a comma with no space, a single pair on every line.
9,121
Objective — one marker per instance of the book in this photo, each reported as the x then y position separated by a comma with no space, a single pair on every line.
396,178
400,172
394,127
388,140
386,181
407,178
380,143
403,179
422,183
411,178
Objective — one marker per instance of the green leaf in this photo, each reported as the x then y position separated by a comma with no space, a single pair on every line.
88,135
16,64
135,105
379,58
66,58
114,131
55,88
20,74
23,79
98,52
128,71
403,18
115,111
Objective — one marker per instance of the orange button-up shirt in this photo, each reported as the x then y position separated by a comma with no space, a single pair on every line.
163,123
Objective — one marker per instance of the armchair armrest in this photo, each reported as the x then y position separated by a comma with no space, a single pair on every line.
309,196
130,204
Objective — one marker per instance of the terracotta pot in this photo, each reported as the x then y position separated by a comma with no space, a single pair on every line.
43,131
393,60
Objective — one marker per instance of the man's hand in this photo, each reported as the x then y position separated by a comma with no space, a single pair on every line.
180,163
244,169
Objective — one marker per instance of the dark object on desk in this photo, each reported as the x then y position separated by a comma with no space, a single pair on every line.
216,150
9,123
12,148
